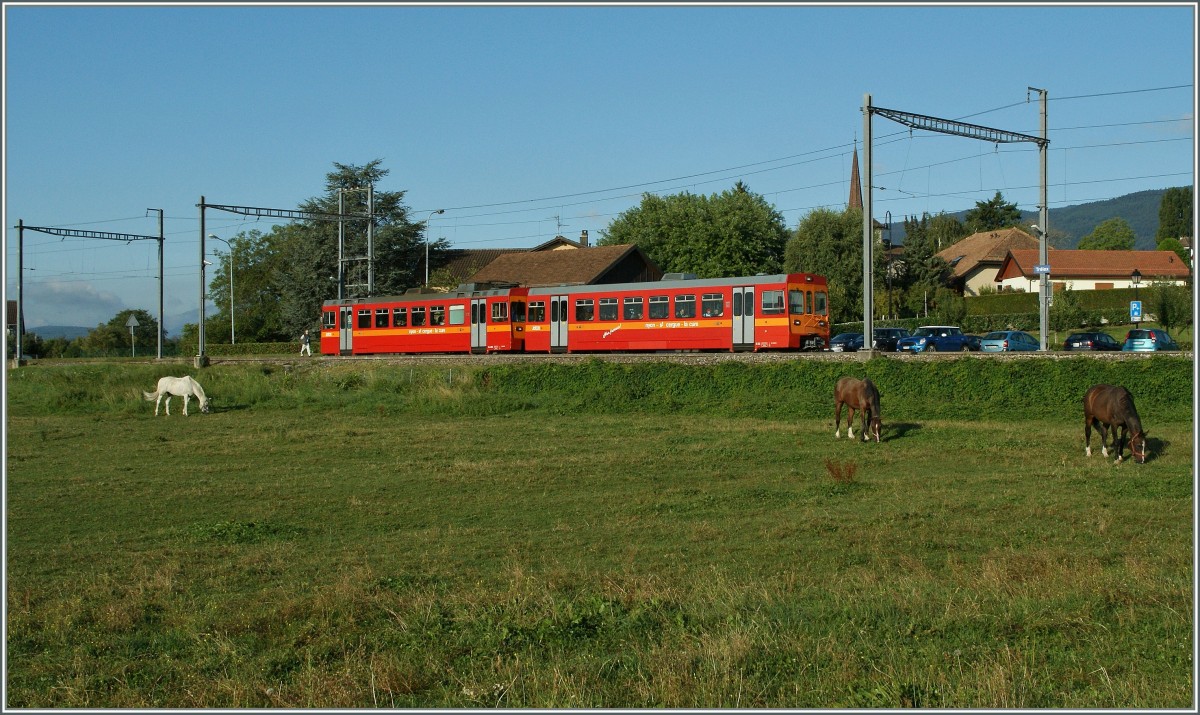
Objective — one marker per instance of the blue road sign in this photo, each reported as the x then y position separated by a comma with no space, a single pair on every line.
1135,310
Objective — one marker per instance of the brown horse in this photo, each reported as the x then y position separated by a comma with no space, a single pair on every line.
1111,407
858,395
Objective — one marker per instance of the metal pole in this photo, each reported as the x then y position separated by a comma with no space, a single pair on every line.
341,247
370,239
427,218
200,331
20,287
868,229
1044,223
161,238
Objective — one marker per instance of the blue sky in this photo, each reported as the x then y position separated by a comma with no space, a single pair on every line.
518,119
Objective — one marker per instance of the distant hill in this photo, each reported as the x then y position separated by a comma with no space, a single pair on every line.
70,332
1139,209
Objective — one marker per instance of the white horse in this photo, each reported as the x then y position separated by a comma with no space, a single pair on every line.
184,387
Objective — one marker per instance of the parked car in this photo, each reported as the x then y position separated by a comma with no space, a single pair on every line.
1148,340
934,339
1007,341
1091,341
886,338
846,343
973,343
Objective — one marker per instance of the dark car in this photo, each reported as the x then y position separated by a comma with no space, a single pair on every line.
1148,340
886,338
974,343
846,343
1091,341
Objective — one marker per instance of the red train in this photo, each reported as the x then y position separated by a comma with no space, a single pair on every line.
777,312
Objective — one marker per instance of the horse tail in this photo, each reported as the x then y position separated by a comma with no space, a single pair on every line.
150,396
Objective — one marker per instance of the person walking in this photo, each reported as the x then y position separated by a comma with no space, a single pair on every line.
305,347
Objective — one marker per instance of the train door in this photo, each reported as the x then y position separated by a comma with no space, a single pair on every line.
346,329
558,324
479,310
743,317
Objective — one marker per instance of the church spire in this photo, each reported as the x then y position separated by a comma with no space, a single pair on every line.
855,182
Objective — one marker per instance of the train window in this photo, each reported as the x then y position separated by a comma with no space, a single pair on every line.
796,302
418,316
821,303
685,306
633,309
499,312
772,302
518,311
608,309
537,311
364,318
399,317
659,307
381,317
330,319
584,309
437,315
737,304
713,305
458,314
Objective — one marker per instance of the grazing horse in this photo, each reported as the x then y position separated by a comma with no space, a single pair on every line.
1111,407
184,387
858,395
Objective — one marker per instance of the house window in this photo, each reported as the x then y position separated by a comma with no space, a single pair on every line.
1104,286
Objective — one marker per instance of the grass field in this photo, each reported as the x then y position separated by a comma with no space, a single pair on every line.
366,537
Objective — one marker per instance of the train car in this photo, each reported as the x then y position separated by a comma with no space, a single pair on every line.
472,319
777,312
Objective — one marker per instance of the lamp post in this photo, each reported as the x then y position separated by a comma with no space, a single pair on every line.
431,213
232,337
1136,279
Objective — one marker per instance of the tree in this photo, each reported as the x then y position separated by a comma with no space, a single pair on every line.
1173,244
112,338
1175,214
993,214
924,272
256,305
1114,234
1170,304
734,233
305,274
829,243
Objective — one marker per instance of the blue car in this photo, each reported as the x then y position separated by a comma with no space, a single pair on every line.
1148,340
934,339
1006,341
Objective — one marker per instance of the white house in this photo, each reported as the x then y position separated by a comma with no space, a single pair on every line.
1090,270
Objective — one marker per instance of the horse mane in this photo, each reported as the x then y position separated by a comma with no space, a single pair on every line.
197,390
872,396
1125,405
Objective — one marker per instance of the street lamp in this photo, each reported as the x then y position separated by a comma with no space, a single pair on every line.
431,213
1136,278
232,338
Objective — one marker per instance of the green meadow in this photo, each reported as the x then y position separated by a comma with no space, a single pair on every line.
597,535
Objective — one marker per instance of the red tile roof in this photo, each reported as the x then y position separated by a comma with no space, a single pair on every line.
985,247
583,266
1104,264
